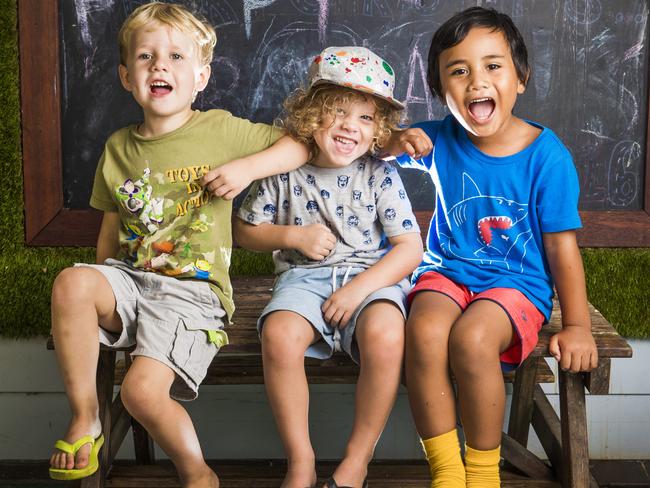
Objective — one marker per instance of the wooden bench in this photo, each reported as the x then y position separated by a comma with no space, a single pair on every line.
564,439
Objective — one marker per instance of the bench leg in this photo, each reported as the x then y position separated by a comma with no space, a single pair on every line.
573,419
521,409
143,443
105,379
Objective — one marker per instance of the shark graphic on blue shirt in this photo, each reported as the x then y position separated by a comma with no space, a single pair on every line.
494,228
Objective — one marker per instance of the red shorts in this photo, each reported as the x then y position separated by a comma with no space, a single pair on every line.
526,320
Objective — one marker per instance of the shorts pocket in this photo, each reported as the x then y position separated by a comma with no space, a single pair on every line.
208,322
191,351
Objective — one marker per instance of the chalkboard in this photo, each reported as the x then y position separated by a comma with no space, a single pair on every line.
588,83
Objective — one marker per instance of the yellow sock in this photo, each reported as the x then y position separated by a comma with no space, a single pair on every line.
445,463
482,468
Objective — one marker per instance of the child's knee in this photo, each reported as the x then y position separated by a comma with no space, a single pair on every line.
472,344
139,396
383,333
281,341
425,336
72,284
385,340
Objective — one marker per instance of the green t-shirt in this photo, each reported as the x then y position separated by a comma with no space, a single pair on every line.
169,225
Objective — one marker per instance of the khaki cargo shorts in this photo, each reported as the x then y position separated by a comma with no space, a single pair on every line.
177,322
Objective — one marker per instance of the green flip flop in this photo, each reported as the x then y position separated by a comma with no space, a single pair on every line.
93,458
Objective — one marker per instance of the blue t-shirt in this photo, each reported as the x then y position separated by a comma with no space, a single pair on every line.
491,212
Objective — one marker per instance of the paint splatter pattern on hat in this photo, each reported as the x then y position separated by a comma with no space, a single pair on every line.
357,68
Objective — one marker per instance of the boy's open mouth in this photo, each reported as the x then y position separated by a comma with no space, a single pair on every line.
160,88
344,144
481,108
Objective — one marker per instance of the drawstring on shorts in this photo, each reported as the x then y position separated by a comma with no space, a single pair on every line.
337,332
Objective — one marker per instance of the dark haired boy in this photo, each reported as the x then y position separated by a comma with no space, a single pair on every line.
503,233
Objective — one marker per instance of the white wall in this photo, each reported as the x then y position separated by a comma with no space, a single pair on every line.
236,422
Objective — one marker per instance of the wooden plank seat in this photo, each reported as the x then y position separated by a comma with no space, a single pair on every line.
563,438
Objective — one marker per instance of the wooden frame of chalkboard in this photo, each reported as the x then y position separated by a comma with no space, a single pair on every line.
49,223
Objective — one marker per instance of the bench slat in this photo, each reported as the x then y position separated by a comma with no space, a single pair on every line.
240,369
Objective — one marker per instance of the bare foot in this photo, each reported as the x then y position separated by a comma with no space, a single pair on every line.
300,475
76,430
350,473
209,479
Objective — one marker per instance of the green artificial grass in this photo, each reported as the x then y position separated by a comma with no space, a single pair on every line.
617,278
617,285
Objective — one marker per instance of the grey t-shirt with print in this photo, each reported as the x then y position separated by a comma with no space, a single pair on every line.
362,204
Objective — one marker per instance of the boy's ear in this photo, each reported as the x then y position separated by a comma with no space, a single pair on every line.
203,78
521,85
124,77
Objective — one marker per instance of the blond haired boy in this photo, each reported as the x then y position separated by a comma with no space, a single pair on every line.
161,280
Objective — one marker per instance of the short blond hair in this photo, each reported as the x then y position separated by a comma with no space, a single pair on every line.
172,15
305,110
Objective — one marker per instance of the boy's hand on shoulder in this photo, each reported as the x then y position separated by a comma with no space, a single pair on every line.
339,307
414,142
227,181
574,349
315,241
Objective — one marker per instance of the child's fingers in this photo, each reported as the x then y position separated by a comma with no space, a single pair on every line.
345,320
594,359
316,255
214,186
322,253
589,361
230,195
327,310
554,348
422,146
336,318
577,363
585,364
207,178
565,361
409,149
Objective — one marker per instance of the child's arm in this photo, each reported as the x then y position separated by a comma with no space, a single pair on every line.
396,264
108,243
414,142
315,241
573,347
228,180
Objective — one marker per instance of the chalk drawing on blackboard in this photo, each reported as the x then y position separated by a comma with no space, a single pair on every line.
322,20
622,179
320,8
224,82
634,51
583,11
542,62
280,64
221,14
249,6
417,73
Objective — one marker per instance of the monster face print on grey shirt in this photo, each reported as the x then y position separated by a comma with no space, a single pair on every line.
362,204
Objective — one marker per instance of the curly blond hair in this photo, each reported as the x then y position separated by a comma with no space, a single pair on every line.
305,110
172,15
